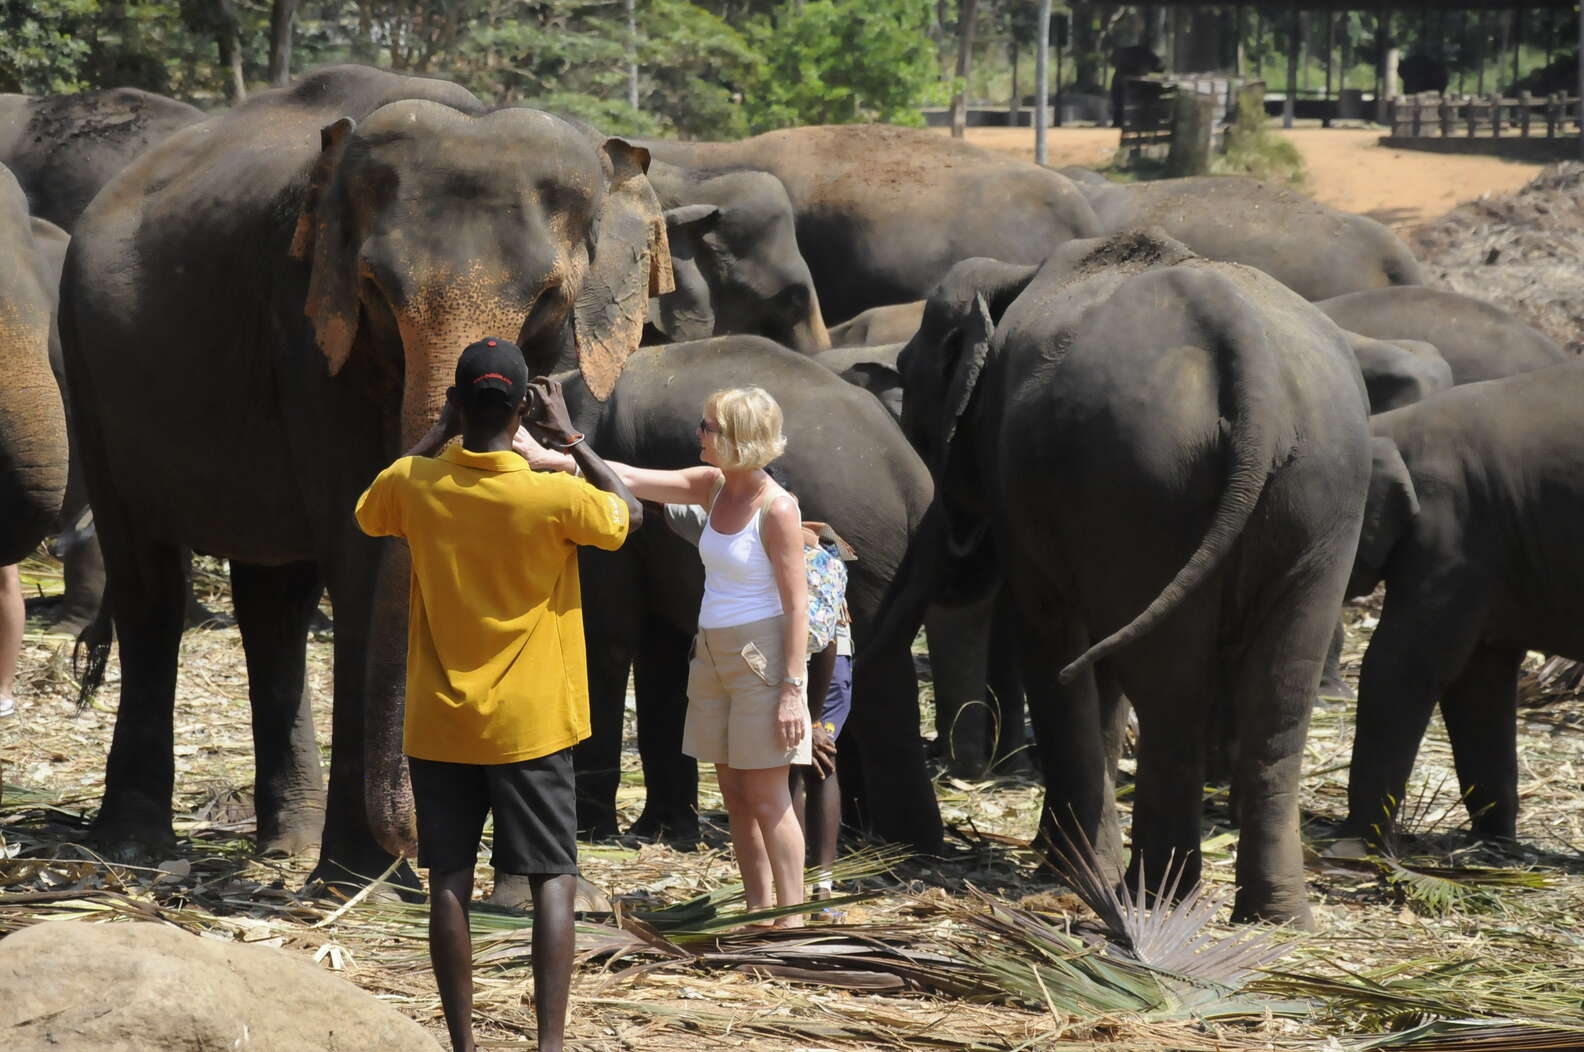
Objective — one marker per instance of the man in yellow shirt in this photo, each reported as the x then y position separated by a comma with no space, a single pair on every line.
497,686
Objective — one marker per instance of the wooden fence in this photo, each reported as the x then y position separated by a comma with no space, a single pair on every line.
1149,108
1475,116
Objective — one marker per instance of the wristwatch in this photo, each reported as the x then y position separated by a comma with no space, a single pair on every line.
796,681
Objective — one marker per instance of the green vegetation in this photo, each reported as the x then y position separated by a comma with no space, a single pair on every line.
724,68
1254,148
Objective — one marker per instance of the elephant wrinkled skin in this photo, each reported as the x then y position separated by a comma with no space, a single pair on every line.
32,421
1473,522
259,314
1142,430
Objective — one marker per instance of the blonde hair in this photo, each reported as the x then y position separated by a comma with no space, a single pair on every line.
750,427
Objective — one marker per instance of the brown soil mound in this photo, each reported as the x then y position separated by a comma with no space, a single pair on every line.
1520,249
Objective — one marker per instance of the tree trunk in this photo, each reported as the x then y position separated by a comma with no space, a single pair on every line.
967,15
1013,103
228,35
282,14
1289,105
632,54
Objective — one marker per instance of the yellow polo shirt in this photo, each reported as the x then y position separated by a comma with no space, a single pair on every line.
495,665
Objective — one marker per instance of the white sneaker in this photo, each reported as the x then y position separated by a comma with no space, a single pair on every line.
7,706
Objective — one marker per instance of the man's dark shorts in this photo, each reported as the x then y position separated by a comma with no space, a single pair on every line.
838,696
535,806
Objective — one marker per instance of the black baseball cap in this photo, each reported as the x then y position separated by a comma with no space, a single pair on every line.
491,372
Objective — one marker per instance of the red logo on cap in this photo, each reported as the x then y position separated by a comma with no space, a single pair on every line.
490,343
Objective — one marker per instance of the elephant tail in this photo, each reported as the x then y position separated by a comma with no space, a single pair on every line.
1246,364
91,654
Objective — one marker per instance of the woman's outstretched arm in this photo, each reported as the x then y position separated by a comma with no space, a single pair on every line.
685,486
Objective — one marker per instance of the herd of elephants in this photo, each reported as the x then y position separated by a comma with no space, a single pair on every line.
1112,445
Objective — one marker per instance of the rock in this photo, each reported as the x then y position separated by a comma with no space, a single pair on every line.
70,984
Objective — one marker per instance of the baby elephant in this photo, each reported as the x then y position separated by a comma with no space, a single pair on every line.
1475,521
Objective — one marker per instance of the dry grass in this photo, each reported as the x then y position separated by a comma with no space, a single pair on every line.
949,946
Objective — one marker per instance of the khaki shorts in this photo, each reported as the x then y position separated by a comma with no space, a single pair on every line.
733,691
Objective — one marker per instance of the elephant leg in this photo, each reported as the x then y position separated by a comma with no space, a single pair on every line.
273,607
965,729
1332,685
370,667
1004,683
670,776
134,820
1067,725
1172,678
1274,690
895,799
1415,652
597,758
1480,707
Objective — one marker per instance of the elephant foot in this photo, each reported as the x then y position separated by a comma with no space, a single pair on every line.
1273,907
133,842
290,838
672,830
1335,688
338,878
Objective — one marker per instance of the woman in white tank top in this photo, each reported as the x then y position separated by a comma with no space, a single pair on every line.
747,710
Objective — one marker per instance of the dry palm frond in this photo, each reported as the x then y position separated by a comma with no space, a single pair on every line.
1035,962
1438,890
1557,678
1167,933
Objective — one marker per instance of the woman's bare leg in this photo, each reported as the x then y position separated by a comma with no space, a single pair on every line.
766,798
747,842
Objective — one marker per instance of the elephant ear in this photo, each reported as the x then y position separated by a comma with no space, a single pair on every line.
630,262
324,241
972,335
1391,507
688,311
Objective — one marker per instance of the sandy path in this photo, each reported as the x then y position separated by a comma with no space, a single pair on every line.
1348,168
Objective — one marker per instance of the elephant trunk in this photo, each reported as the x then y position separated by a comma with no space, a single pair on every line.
810,335
430,351
32,432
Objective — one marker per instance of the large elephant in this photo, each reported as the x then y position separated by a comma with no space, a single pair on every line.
1479,340
1167,459
64,148
734,254
1473,522
884,212
1316,251
850,466
32,422
258,315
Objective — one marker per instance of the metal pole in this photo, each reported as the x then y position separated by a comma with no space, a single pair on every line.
1042,82
1292,66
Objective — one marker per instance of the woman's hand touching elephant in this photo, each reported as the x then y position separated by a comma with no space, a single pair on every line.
538,457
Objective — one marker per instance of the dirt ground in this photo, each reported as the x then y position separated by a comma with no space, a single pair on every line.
1347,168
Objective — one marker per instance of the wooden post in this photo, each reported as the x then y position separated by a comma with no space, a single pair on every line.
1192,118
1014,101
1042,80
1446,117
1292,65
1416,116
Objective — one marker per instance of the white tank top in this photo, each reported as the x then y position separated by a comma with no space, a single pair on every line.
739,583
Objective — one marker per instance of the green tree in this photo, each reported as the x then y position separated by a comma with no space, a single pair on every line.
41,47
836,63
